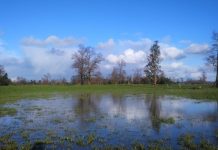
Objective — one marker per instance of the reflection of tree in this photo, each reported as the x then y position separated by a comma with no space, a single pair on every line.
86,106
154,111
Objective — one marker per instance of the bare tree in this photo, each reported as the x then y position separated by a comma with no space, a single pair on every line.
114,75
137,76
203,77
46,78
122,72
21,80
93,61
118,73
152,69
79,63
212,58
86,62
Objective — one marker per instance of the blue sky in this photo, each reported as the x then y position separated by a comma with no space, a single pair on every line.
118,29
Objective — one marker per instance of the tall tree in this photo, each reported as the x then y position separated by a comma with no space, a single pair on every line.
152,69
212,58
86,62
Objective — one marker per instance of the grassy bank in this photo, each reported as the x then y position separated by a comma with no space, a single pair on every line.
14,92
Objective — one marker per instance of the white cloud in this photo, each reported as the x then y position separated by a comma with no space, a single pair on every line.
43,61
108,45
129,56
53,55
176,65
179,70
171,52
51,40
112,58
198,48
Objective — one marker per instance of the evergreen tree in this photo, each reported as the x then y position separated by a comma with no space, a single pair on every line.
152,69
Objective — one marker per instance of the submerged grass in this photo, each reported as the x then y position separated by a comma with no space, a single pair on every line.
7,111
14,92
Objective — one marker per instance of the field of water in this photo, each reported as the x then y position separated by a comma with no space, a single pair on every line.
107,121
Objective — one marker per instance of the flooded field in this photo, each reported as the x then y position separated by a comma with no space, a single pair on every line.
107,121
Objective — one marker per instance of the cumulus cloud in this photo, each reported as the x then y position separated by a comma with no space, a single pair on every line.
171,52
198,48
134,51
129,56
51,40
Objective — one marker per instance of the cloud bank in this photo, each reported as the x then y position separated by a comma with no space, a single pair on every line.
53,55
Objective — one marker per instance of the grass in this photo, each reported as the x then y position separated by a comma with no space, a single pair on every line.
169,120
80,142
90,119
187,142
14,92
91,138
57,120
7,111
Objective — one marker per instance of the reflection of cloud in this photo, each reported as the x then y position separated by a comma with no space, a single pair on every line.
128,109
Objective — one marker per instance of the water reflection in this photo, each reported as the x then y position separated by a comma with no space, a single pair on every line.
113,115
154,111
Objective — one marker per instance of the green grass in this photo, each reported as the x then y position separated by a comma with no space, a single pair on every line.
91,138
187,141
14,92
169,120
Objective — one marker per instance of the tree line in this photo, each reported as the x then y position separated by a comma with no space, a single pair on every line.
86,65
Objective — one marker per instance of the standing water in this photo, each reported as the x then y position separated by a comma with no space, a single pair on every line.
85,121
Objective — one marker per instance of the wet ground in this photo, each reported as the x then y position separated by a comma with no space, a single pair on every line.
85,121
